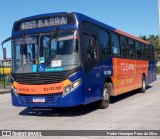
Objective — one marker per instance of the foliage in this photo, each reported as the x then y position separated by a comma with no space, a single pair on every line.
158,70
155,40
7,79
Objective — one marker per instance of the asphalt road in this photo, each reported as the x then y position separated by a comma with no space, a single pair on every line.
132,111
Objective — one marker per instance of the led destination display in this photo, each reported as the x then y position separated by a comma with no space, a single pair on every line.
44,22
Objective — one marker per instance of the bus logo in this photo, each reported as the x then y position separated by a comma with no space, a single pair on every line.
126,66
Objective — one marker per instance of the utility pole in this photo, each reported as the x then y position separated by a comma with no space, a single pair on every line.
3,68
157,53
159,19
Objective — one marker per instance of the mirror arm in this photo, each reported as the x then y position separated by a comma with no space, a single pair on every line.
6,40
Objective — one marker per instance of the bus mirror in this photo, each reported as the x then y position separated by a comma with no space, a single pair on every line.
6,40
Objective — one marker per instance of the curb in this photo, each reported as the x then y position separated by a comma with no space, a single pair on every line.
4,91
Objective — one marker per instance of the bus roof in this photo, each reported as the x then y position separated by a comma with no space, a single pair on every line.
88,19
41,15
81,18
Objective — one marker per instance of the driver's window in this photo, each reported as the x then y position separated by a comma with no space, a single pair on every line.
45,50
90,44
53,49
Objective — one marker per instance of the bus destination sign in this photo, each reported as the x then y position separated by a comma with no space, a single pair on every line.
46,22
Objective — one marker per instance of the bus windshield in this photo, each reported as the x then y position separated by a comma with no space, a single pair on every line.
45,52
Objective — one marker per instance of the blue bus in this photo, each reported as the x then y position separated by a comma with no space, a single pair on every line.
69,59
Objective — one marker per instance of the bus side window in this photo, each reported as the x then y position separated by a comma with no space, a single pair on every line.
92,48
104,43
132,49
138,49
143,49
85,44
152,51
148,56
125,49
90,44
115,45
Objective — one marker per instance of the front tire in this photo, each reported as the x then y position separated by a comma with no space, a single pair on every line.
104,103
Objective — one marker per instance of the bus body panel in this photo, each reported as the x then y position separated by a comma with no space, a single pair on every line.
127,74
94,80
151,72
74,98
92,85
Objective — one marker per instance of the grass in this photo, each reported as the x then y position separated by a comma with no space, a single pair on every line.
6,82
1,81
158,70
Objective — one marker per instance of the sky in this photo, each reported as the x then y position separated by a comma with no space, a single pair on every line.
136,17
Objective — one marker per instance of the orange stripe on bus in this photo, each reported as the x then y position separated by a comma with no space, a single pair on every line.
131,36
127,74
41,89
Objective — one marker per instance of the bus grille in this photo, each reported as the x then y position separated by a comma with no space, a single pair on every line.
48,100
40,78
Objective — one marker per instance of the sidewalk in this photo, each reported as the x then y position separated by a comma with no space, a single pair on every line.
4,90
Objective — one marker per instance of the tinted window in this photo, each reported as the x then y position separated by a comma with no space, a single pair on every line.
115,45
125,49
143,50
90,28
90,51
132,49
148,52
90,44
152,50
138,48
85,44
104,43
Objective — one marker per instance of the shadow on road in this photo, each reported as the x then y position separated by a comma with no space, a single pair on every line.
73,111
70,111
126,95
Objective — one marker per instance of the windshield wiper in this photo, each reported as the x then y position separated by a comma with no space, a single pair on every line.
52,36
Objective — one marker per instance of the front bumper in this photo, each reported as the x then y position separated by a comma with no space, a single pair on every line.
74,98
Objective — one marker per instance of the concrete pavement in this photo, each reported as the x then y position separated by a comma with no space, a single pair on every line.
132,111
4,90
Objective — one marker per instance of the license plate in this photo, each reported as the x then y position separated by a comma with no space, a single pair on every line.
39,100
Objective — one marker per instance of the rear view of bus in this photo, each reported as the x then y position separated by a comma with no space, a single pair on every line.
46,69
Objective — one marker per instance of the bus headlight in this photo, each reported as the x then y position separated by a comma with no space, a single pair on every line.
67,89
14,90
76,84
71,87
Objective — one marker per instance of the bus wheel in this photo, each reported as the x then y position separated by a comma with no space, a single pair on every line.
106,96
143,88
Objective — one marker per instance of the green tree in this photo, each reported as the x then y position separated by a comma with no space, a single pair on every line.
154,39
143,37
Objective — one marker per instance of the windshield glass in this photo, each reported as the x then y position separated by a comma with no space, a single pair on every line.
46,52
